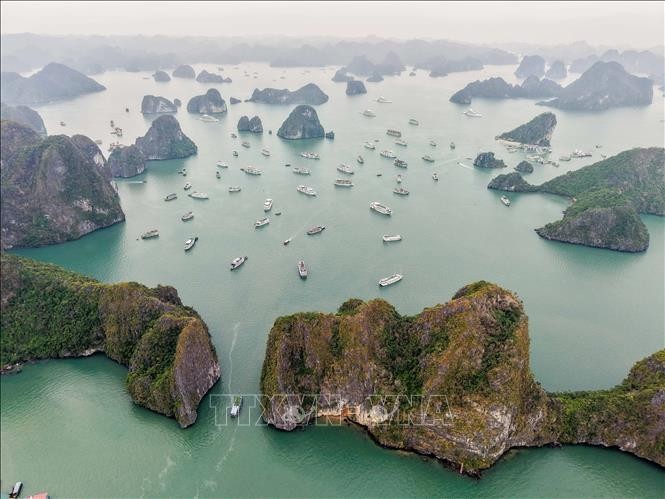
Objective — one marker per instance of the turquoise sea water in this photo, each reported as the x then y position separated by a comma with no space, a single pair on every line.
70,427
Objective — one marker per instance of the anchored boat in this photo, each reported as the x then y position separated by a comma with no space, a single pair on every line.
387,281
391,238
150,234
198,195
400,163
237,262
301,171
401,191
413,122
360,159
250,170
237,404
267,204
235,189
393,132
428,158
341,182
187,216
388,154
505,200
345,169
261,222
189,243
308,191
380,208
302,269
171,197
315,230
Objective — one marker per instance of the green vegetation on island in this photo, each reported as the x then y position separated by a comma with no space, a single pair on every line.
608,197
452,382
49,312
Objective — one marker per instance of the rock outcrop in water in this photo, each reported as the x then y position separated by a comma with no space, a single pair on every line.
161,76
126,161
531,65
23,115
355,87
556,71
537,132
184,71
165,140
497,88
341,76
209,103
302,123
152,104
165,345
375,77
608,197
603,86
205,77
310,94
52,83
452,382
524,167
246,125
53,189
487,160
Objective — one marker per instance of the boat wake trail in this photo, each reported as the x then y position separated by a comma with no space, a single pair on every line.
226,454
236,327
464,166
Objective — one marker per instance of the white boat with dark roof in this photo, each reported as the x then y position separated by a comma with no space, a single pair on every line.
413,121
369,145
302,269
401,142
171,197
400,163
387,281
308,191
261,222
198,195
187,216
267,204
380,208
251,170
387,153
235,188
189,243
150,234
393,132
342,182
237,262
368,113
388,238
317,229
401,191
301,171
345,169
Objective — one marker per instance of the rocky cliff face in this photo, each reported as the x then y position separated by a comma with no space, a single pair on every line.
531,65
53,82
310,94
557,71
233,100
302,123
511,182
487,160
452,382
166,346
23,115
54,189
126,161
205,77
375,77
603,86
341,76
355,87
161,76
165,140
156,105
209,103
246,125
184,71
538,131
524,167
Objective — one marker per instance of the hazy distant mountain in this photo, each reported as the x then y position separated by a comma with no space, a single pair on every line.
643,62
53,82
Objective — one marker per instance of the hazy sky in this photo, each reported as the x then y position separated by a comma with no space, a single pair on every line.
636,24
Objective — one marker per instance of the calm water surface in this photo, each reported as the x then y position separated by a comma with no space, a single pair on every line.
70,427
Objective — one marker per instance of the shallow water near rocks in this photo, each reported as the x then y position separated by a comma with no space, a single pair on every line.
70,427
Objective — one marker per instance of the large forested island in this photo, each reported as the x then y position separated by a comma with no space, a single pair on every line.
467,364
48,312
608,197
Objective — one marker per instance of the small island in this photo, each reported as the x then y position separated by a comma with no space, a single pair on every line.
126,161
608,197
355,87
253,126
161,76
487,160
310,94
209,103
341,76
537,132
468,360
152,104
38,210
531,65
497,88
302,123
165,140
165,345
23,115
184,71
206,77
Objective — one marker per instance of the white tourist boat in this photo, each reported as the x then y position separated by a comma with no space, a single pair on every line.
401,191
400,163
302,269
235,188
189,243
345,169
472,114
261,222
301,171
428,158
360,159
237,262
580,154
387,153
171,197
149,234
505,200
394,133
235,407
235,154
452,145
251,170
187,216
246,144
221,164
387,281
198,195
317,229
208,119
398,179
342,182
308,191
432,143
369,145
267,204
380,208
401,142
369,113
383,100
435,176
388,238
265,152
309,155
187,186
413,121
